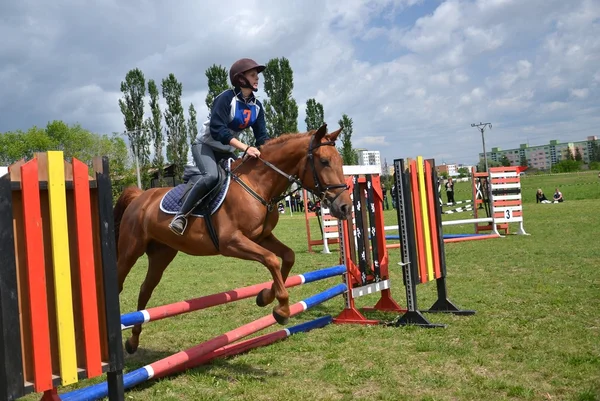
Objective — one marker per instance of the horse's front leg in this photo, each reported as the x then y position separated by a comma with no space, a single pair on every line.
288,258
241,247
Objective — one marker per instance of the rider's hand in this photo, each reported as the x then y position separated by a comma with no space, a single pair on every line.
253,152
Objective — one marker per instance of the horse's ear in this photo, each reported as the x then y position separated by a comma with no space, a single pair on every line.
321,132
333,135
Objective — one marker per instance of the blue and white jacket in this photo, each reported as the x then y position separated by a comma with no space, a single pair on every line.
230,115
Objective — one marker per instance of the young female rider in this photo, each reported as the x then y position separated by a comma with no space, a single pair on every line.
232,111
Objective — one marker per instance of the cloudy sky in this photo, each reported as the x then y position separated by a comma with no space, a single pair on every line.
412,74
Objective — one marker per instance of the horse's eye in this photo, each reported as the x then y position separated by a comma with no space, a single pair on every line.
325,162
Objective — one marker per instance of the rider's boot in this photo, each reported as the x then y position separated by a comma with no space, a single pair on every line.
198,191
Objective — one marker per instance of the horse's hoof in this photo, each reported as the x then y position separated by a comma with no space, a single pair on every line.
282,320
260,299
129,348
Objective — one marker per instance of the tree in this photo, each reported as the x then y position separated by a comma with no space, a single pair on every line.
491,163
192,124
347,152
566,166
315,115
121,173
504,161
154,126
463,172
17,145
569,154
177,138
218,81
524,162
595,151
281,110
578,156
74,141
132,108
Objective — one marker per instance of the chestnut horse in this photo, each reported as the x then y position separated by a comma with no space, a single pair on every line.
244,223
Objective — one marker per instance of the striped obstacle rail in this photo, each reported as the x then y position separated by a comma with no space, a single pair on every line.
422,251
468,204
59,303
446,236
215,347
462,209
161,312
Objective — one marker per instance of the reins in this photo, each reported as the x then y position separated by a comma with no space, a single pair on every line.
320,190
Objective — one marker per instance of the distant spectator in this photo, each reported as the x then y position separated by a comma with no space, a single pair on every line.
558,196
450,190
540,197
385,205
299,202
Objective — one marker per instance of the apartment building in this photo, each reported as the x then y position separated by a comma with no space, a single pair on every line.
542,156
368,157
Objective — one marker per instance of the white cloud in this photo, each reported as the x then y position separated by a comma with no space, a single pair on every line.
513,74
553,106
581,93
372,140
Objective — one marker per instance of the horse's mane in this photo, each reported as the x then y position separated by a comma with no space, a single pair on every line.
285,138
277,141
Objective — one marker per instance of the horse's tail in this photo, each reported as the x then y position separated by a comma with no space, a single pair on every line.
128,195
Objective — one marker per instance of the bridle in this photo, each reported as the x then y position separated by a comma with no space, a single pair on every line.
320,190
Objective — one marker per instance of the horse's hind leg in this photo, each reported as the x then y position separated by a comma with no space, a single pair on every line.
288,258
159,257
244,248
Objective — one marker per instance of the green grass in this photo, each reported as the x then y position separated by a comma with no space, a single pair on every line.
536,334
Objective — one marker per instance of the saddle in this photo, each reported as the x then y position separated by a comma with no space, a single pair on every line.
208,205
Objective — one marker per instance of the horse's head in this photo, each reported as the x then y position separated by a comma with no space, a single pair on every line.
323,173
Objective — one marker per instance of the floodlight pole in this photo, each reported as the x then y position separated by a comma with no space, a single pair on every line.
481,127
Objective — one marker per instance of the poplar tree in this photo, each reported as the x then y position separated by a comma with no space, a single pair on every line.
315,116
154,124
218,81
281,110
132,108
192,123
177,137
347,152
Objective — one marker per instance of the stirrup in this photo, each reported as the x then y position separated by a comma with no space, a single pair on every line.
176,230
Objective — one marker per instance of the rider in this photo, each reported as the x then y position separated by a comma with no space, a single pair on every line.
232,111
